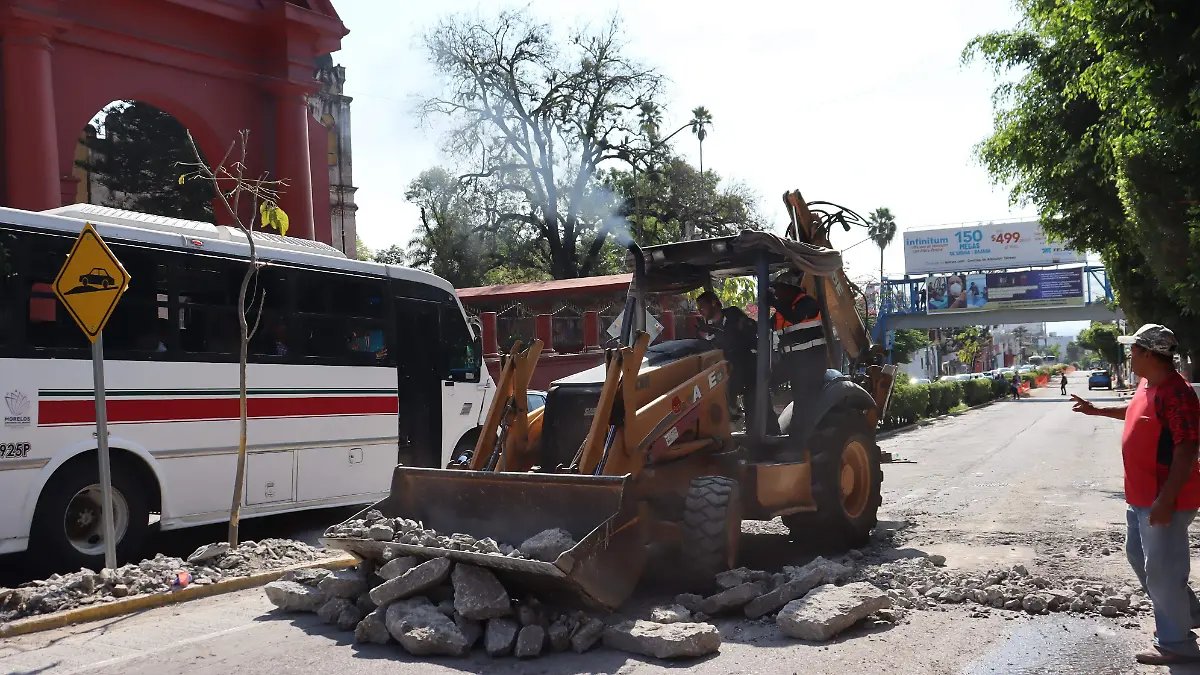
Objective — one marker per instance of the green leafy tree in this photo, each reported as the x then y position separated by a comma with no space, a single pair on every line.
906,341
969,345
1097,129
881,230
1102,339
537,113
674,197
138,156
392,255
1074,352
361,250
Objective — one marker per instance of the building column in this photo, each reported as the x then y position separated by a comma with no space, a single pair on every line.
293,160
31,144
544,330
490,347
591,331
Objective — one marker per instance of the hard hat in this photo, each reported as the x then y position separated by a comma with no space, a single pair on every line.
788,278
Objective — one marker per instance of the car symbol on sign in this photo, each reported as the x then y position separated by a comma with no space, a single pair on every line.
97,277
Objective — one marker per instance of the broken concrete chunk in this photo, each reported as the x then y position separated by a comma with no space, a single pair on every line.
292,596
798,587
365,604
530,642
663,641
208,552
424,577
1109,611
1034,603
587,635
499,636
938,560
831,572
446,607
373,629
331,610
471,630
670,614
349,618
732,599
689,601
741,575
547,545
478,594
829,610
397,566
345,584
424,631
559,635
1120,602
309,576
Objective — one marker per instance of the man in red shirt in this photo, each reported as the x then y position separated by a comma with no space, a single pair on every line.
1162,487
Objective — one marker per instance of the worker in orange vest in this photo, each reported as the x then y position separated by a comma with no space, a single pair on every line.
801,345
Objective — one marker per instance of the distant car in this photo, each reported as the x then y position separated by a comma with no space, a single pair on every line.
1100,379
536,399
1025,369
919,380
97,277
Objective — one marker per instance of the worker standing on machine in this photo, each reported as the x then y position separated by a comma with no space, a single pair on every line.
801,344
736,335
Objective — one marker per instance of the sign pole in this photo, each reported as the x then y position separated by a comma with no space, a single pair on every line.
106,516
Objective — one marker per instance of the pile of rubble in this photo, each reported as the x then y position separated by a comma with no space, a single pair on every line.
545,546
439,607
921,583
209,564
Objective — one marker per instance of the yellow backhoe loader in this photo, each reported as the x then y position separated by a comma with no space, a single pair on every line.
641,450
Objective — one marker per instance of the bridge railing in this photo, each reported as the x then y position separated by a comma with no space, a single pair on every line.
899,297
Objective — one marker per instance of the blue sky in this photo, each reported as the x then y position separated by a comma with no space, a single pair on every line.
865,104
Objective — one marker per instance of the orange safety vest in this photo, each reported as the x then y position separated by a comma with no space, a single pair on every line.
801,336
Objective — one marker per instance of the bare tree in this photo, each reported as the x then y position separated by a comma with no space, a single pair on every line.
230,184
539,118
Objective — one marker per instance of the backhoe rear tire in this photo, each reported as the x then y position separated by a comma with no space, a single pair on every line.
712,527
847,481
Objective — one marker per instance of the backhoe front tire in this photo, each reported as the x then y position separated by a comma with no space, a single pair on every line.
847,481
712,527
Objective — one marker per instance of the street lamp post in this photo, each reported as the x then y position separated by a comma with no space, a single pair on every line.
689,230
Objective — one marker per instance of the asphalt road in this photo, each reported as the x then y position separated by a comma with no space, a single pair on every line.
1025,481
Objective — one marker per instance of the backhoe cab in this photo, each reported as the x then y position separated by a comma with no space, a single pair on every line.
641,449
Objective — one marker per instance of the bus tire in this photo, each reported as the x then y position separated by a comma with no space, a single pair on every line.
67,533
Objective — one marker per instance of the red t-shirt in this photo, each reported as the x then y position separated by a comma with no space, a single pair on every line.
1158,419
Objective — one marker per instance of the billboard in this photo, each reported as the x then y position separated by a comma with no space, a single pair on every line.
983,247
1004,290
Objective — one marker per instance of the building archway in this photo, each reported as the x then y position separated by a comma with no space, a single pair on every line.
216,66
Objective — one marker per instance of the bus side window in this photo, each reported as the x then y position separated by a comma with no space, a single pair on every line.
49,325
208,289
461,360
139,323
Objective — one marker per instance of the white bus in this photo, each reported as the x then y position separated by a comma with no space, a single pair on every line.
355,367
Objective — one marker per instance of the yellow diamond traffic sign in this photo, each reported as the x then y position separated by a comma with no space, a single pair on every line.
91,282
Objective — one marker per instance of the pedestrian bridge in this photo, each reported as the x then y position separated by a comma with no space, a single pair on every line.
903,307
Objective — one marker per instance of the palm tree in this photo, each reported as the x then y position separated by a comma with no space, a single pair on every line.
881,231
701,120
650,118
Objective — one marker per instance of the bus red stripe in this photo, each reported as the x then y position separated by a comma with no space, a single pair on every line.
197,409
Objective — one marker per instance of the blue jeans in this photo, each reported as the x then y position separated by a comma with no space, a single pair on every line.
1161,559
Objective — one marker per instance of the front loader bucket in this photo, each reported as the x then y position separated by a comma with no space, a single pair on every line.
598,511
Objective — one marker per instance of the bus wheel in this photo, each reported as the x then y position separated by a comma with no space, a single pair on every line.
68,531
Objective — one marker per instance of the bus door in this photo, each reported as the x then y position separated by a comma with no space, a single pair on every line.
418,382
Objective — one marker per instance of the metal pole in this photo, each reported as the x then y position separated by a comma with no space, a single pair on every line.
762,393
106,515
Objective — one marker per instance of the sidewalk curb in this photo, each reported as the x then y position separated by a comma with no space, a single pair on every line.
916,425
36,624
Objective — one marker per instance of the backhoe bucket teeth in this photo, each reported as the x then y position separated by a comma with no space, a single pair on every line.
598,511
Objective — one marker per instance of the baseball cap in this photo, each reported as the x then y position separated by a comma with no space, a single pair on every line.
1156,338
